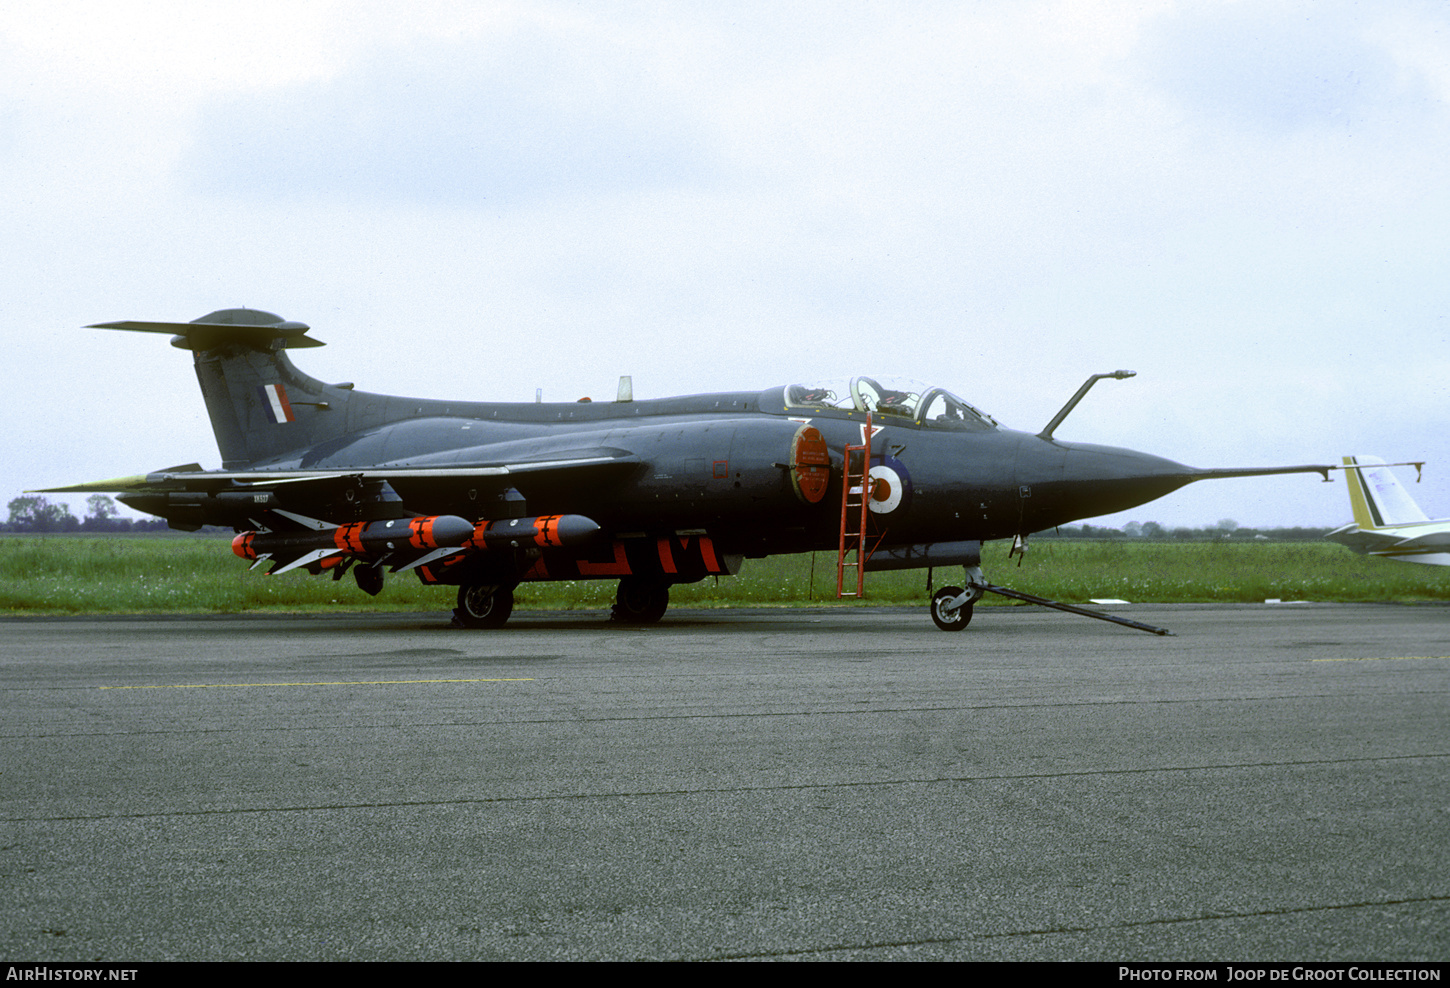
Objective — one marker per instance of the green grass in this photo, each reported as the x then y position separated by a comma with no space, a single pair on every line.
99,575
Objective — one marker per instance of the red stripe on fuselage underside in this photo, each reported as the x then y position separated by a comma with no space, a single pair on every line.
620,566
707,553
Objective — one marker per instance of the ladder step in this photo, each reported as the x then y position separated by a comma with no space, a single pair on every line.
855,497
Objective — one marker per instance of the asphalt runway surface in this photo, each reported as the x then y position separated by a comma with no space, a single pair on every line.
1273,783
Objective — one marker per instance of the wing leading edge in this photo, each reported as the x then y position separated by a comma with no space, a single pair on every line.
192,477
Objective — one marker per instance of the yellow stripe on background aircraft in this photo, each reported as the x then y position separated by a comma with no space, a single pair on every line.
1387,522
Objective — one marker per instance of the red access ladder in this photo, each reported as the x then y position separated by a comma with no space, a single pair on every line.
855,496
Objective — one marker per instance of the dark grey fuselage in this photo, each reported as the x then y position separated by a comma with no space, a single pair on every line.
673,484
721,463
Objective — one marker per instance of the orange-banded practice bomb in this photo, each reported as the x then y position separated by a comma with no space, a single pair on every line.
371,538
542,531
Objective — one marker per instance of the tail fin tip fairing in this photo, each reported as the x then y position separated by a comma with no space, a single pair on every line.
260,405
252,327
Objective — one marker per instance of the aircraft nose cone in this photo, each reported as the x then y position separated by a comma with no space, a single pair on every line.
1124,478
1077,480
1113,463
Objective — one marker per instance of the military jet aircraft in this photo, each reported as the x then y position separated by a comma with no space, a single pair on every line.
484,496
1387,521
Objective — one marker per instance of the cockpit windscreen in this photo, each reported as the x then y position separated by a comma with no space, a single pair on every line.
892,398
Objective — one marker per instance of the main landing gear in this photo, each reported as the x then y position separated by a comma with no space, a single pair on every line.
640,601
483,605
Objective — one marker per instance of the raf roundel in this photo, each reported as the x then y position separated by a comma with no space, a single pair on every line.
890,486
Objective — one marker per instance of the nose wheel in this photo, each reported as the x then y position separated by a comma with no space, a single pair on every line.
951,608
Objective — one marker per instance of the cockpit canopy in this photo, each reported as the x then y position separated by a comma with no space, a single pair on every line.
892,399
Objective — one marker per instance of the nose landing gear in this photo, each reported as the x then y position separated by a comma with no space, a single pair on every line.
951,607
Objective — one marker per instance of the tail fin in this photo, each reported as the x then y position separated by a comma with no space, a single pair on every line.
1376,496
261,406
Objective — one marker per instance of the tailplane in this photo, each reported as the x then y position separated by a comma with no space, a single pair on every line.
261,406
1376,496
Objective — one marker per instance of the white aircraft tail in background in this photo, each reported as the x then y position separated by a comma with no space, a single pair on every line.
1387,521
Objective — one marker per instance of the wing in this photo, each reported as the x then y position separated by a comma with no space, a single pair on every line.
1390,541
189,497
1430,542
1364,541
194,478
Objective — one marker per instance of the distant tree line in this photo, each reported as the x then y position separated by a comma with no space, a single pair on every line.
33,513
1151,531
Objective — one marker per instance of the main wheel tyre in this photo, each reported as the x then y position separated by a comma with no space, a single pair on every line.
946,617
640,601
484,606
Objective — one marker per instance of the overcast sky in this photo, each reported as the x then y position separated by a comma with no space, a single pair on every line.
1245,202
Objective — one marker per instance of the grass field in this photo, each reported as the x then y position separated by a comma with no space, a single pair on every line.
96,575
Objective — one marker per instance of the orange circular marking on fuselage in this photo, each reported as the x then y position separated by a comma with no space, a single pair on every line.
810,462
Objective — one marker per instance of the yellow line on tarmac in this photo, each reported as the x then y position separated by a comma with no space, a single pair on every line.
360,682
1385,658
